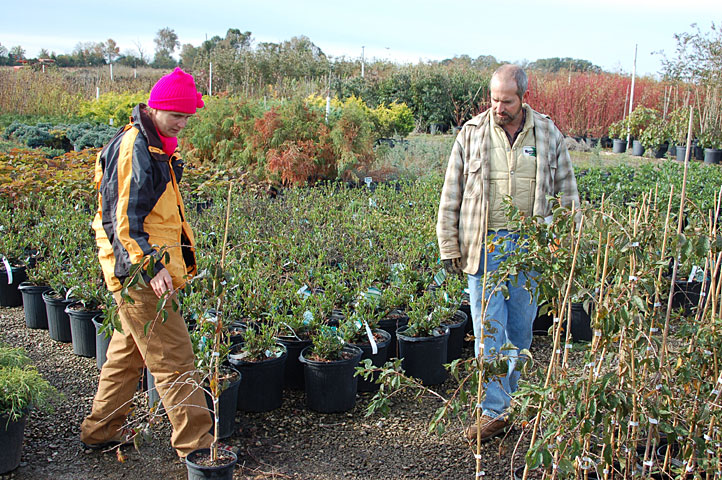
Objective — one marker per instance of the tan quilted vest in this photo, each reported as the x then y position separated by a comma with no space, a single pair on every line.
513,172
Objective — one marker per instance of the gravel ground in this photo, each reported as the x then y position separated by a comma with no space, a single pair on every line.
289,443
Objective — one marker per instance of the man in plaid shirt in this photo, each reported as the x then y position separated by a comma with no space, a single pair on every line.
510,151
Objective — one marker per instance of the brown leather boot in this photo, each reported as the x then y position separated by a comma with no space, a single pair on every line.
490,428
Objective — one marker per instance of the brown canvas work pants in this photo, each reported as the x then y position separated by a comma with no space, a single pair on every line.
168,353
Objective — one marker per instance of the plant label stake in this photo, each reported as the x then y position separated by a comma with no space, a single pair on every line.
372,341
8,270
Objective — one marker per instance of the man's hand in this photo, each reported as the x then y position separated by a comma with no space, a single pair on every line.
161,283
453,265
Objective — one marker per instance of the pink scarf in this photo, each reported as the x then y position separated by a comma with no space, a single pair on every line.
169,144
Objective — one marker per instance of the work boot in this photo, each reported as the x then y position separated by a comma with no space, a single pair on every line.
490,428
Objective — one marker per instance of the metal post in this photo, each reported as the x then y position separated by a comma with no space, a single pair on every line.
631,94
362,61
210,79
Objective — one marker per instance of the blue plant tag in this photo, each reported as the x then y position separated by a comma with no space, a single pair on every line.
307,317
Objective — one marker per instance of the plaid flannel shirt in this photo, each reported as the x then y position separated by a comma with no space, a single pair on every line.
465,195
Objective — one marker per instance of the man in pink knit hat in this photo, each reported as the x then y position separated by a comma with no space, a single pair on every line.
140,211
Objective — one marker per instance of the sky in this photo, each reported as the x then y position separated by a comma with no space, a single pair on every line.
603,32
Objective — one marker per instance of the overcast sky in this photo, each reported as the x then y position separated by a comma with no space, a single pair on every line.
602,31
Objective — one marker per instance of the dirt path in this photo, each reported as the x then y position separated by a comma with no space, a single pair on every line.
289,443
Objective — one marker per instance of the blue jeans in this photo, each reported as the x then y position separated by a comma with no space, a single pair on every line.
507,321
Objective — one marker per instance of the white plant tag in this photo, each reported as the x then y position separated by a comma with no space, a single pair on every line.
368,181
372,340
692,273
8,270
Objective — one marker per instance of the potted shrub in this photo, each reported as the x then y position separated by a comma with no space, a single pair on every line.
618,134
638,122
88,288
329,365
423,341
261,361
679,125
450,296
21,388
656,137
711,141
355,331
208,350
294,332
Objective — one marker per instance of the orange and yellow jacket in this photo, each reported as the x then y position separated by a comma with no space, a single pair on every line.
140,209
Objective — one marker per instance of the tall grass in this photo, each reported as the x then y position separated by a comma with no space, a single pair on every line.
57,92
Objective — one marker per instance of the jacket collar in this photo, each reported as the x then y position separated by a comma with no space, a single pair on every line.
144,123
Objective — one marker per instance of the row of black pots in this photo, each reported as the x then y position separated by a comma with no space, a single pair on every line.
708,155
654,472
686,297
65,319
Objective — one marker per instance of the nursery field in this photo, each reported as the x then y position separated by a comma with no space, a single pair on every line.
319,261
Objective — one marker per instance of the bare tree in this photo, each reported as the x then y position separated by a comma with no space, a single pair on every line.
110,50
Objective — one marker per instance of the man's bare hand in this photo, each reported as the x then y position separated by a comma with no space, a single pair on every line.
161,283
453,265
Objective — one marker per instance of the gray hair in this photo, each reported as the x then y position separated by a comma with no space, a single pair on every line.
509,70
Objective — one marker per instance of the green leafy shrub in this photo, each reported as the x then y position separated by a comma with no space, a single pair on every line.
395,120
21,385
60,138
219,134
353,138
117,106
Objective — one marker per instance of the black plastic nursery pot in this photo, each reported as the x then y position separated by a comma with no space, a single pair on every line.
11,439
542,323
637,148
466,308
580,323
58,320
687,295
619,146
227,405
262,387
101,342
660,150
198,469
391,323
424,357
457,324
9,282
377,359
293,372
33,305
82,329
712,155
681,153
331,385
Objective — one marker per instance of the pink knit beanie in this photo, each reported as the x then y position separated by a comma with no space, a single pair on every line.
176,92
